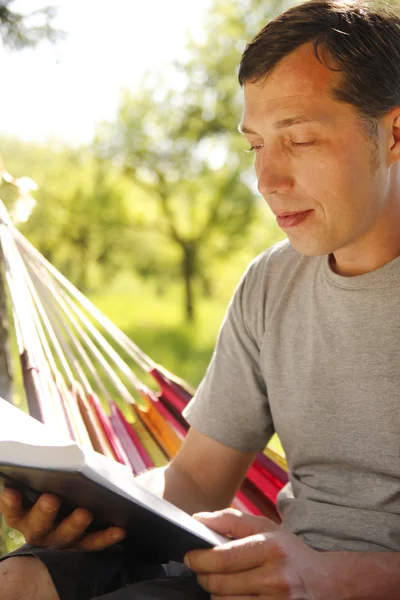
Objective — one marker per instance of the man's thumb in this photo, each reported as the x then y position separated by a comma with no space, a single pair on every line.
235,524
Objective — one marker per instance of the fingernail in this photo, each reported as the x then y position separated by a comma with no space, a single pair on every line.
48,506
83,521
187,562
118,536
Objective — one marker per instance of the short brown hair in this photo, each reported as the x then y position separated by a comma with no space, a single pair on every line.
361,39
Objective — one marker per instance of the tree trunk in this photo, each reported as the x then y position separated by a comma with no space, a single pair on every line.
5,358
188,272
207,286
83,279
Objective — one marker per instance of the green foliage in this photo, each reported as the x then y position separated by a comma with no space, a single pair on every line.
193,203
166,190
182,147
10,539
81,221
84,209
19,31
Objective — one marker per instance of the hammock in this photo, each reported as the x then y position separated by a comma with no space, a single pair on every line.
75,362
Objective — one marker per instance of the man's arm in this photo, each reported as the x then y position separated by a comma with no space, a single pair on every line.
205,475
360,576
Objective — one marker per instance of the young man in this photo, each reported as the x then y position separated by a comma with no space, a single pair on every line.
309,348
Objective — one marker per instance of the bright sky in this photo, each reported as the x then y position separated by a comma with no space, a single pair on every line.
62,91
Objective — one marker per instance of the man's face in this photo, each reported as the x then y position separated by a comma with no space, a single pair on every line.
312,153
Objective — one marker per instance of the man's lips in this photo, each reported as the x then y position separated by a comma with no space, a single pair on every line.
292,219
288,214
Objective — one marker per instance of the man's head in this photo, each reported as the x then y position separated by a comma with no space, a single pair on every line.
322,98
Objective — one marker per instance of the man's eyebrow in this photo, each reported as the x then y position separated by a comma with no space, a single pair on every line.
282,124
293,121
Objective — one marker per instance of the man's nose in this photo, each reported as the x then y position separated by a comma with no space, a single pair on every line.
273,175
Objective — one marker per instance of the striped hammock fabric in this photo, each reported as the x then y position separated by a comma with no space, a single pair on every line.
75,363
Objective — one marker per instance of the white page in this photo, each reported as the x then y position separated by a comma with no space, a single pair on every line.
17,426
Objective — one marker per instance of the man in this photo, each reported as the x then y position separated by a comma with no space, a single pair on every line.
309,347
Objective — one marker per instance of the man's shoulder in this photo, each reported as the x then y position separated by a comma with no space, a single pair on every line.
281,259
278,267
281,252
272,273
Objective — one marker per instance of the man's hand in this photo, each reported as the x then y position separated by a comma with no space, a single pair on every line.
264,561
39,528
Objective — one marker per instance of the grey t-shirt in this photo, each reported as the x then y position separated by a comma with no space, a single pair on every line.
315,356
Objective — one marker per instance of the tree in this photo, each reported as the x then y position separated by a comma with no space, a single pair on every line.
81,219
199,203
19,31
182,147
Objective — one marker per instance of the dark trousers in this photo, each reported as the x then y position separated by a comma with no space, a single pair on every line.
114,574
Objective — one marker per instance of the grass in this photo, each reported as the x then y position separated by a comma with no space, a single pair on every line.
156,325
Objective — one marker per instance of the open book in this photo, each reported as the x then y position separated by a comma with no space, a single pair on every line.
34,459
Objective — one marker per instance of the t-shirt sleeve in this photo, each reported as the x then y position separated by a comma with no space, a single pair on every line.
231,403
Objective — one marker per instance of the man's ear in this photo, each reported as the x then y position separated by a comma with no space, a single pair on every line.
394,136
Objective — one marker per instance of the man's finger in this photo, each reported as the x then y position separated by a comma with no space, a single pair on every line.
100,540
40,519
233,523
236,556
12,507
70,530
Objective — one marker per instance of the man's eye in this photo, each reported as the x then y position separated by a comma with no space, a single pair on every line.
298,144
255,147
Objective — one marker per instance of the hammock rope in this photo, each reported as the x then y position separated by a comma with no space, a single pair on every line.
74,367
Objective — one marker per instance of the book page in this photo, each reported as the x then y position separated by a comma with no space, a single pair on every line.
17,426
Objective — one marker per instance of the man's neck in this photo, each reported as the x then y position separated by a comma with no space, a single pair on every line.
377,248
363,264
